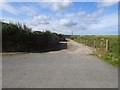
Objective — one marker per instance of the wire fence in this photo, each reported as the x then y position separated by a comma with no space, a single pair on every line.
102,44
107,47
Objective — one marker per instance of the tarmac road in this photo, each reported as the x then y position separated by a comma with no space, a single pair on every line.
68,68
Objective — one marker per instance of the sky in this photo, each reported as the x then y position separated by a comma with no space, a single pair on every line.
79,18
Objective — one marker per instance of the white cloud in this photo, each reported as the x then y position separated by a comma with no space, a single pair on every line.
93,17
82,17
60,6
7,7
41,19
80,13
97,13
108,4
11,19
67,22
31,11
108,23
80,22
53,25
69,15
105,4
56,6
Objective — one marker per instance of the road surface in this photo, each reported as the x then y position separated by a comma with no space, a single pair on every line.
68,68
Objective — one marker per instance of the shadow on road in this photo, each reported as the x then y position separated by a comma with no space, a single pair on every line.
60,46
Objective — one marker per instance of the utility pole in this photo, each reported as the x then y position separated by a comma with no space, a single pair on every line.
72,32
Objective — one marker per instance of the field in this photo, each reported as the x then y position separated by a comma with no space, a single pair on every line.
107,47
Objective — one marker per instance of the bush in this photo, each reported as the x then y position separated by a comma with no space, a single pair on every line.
17,38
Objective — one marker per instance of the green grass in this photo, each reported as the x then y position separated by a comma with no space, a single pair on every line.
111,58
111,55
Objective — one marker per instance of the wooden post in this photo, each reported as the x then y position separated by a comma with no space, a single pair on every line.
94,43
107,42
86,42
101,45
102,40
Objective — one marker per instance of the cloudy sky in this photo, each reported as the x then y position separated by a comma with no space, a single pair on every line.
81,18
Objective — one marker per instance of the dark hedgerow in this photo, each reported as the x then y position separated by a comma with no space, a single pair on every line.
20,38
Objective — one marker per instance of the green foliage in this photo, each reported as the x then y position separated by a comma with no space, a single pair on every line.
111,58
99,42
20,38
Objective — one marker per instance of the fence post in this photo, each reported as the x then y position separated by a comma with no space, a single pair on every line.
94,44
107,41
101,45
85,42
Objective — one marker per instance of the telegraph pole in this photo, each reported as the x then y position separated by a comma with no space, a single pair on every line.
72,32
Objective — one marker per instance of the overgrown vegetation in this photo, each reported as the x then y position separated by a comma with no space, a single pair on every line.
20,38
107,47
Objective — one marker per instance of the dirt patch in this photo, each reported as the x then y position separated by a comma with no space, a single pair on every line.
75,48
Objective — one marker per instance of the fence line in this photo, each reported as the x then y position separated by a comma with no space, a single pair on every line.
101,43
